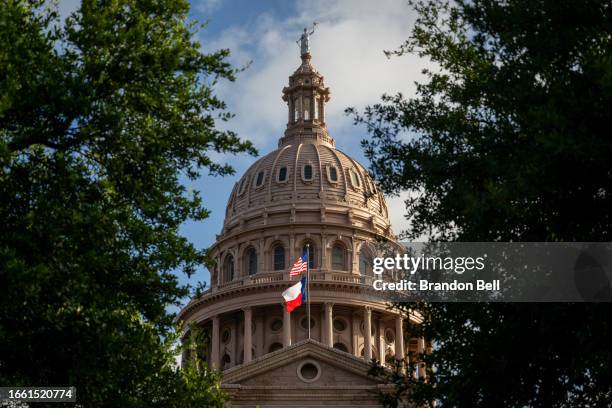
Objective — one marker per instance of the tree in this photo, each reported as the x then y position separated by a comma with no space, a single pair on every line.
100,117
507,139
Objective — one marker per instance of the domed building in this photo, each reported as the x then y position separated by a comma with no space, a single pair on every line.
305,193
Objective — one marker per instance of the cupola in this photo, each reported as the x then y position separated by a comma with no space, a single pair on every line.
306,97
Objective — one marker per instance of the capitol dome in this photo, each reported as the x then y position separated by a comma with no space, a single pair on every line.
304,175
307,172
304,194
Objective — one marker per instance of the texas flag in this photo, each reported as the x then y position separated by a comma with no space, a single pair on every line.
295,295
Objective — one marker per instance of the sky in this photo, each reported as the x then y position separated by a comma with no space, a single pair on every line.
347,49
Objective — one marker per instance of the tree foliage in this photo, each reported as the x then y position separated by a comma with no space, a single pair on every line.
101,115
507,139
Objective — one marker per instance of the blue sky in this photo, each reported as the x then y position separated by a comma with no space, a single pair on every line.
347,48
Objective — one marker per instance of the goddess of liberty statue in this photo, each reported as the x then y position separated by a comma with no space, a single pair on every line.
304,40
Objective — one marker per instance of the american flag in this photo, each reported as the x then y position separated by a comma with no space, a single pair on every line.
299,266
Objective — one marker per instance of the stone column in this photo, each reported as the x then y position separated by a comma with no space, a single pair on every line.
214,354
381,342
399,338
259,333
367,335
286,328
322,111
238,265
322,328
329,329
421,350
248,333
355,333
234,354
292,256
354,256
323,251
261,256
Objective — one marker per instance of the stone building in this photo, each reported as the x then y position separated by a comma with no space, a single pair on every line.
306,192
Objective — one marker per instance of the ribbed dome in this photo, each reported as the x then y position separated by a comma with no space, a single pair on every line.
281,178
306,180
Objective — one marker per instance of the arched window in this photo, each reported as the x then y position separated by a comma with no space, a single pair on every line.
282,174
307,109
308,172
338,258
312,251
365,264
333,174
260,179
251,258
316,109
354,179
373,352
296,109
228,269
279,258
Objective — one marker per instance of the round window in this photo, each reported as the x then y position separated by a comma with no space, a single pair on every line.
276,325
226,335
304,323
389,336
339,324
309,371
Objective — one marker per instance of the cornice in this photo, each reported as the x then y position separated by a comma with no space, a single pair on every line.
313,225
297,351
322,291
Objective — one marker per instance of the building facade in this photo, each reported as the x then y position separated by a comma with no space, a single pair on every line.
305,193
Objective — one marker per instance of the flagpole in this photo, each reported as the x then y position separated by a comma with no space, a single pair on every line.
308,284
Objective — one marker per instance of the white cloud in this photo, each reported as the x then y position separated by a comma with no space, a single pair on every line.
397,211
206,7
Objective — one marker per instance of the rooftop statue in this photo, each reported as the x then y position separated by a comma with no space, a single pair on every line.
304,40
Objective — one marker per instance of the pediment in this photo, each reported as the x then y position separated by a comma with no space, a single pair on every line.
289,367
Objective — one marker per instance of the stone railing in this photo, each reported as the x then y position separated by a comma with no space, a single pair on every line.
272,277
